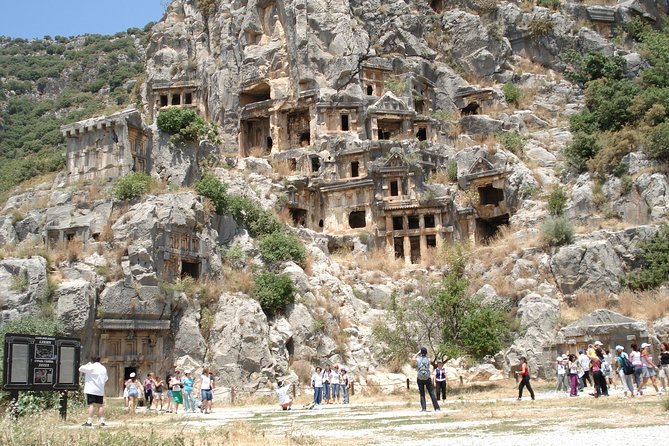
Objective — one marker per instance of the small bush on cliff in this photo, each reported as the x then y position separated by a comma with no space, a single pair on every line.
211,187
174,120
557,200
272,291
657,144
557,232
655,268
585,68
131,186
511,93
280,246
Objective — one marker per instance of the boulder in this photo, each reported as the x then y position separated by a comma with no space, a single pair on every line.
239,343
188,339
75,305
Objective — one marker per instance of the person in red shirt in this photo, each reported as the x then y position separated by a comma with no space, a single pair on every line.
524,373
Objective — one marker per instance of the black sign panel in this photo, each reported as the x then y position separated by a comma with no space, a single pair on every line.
41,363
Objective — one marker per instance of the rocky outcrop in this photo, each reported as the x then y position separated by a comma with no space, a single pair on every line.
596,262
23,286
240,343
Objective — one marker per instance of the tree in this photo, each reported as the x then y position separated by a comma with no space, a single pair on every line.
272,291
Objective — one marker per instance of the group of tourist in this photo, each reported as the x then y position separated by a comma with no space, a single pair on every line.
170,393
597,365
331,385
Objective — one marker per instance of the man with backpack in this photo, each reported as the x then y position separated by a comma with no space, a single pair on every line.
424,379
625,370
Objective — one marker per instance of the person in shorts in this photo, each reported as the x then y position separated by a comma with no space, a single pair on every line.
94,388
158,388
206,387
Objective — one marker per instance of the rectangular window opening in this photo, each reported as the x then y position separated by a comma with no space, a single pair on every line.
315,164
176,99
431,241
163,100
398,243
354,169
356,219
188,99
398,223
414,222
394,188
429,220
344,123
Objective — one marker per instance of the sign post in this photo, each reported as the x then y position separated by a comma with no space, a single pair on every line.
41,363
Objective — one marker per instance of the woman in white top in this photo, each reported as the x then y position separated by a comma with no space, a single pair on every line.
206,387
635,358
317,384
561,370
334,383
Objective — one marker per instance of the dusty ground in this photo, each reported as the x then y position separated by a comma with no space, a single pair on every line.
491,417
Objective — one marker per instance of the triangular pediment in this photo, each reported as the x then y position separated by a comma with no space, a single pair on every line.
395,160
481,165
390,102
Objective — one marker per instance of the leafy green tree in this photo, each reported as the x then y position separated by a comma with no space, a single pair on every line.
657,144
655,263
583,147
272,291
592,66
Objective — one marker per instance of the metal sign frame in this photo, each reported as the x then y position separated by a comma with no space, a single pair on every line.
41,363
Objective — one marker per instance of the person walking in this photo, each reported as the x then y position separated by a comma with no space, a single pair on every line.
424,379
206,389
94,389
524,373
189,402
317,384
635,357
625,379
649,368
148,385
440,381
133,387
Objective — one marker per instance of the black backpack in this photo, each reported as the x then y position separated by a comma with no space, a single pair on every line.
628,368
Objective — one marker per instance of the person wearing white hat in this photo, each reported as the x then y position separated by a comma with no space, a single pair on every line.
625,379
133,387
189,402
648,368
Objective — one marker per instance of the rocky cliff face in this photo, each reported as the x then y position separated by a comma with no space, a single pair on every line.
121,265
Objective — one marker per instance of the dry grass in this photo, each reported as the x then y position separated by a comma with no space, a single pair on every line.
236,281
257,152
380,260
647,305
283,168
527,65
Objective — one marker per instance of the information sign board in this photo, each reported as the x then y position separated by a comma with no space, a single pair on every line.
41,362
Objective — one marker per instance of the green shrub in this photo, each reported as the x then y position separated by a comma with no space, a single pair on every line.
626,184
557,200
280,246
174,120
582,69
655,263
273,291
582,148
557,232
636,28
511,93
513,142
211,187
657,143
610,102
249,213
131,186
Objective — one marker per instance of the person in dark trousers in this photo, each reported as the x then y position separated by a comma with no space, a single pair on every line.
524,373
424,379
440,381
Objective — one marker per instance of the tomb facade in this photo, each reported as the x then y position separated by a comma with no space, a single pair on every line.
107,147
